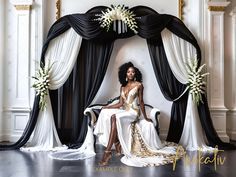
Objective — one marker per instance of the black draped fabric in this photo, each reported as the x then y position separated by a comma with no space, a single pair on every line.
207,124
170,87
77,93
79,90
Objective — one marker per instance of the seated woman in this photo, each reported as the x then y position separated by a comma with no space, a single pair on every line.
121,124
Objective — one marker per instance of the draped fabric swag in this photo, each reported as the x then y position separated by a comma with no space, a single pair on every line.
77,78
177,52
61,56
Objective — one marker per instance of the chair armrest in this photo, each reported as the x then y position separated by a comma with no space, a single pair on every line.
94,110
92,115
154,115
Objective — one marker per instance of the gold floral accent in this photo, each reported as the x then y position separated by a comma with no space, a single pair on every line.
139,148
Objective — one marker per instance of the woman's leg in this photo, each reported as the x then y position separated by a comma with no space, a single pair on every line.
112,140
113,133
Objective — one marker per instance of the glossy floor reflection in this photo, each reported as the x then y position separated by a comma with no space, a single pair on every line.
38,164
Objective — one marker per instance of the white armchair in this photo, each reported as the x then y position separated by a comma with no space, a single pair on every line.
93,111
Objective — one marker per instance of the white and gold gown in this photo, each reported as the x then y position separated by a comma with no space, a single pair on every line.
140,142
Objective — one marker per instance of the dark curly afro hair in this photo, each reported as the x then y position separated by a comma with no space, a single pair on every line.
123,70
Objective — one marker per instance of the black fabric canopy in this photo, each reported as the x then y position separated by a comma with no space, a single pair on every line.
69,101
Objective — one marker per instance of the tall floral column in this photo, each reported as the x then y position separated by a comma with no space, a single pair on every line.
215,61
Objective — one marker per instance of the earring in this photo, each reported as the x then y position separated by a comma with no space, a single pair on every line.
135,79
126,79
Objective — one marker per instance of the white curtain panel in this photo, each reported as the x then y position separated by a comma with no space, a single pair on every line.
62,53
177,52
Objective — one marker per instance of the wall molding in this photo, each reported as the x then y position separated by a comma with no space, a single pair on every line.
231,122
219,121
181,5
217,5
23,7
58,9
216,8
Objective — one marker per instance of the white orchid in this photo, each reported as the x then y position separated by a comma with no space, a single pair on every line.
196,84
42,83
118,13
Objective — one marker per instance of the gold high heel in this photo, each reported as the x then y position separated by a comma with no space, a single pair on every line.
118,148
105,159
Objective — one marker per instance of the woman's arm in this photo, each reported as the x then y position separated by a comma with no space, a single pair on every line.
117,105
141,102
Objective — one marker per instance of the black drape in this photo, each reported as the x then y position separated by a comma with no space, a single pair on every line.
77,93
91,67
80,89
170,87
207,124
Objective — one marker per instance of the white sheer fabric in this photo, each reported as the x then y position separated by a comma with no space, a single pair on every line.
84,152
177,52
62,53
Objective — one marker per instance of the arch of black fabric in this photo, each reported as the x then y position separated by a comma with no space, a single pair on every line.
88,73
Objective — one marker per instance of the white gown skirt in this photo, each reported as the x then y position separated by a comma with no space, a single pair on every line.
159,153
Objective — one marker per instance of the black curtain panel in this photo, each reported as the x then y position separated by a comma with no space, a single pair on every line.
170,87
207,124
70,101
77,93
91,67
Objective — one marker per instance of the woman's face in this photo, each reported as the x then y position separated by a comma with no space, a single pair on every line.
130,73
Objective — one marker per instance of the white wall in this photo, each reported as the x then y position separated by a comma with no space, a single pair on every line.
161,6
23,45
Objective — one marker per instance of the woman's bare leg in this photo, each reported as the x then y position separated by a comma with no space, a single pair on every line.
113,133
112,140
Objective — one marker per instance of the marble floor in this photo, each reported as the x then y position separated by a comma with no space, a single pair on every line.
16,163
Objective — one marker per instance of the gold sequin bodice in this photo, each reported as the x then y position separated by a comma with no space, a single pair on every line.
131,100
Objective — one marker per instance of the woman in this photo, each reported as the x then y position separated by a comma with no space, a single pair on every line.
121,124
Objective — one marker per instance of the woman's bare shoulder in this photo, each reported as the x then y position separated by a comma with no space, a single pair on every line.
139,84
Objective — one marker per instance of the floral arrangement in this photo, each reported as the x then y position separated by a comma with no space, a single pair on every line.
196,84
118,13
42,83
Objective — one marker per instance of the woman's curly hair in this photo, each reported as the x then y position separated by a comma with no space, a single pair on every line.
123,71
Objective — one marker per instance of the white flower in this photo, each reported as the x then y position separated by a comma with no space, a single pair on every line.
42,83
195,79
118,13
